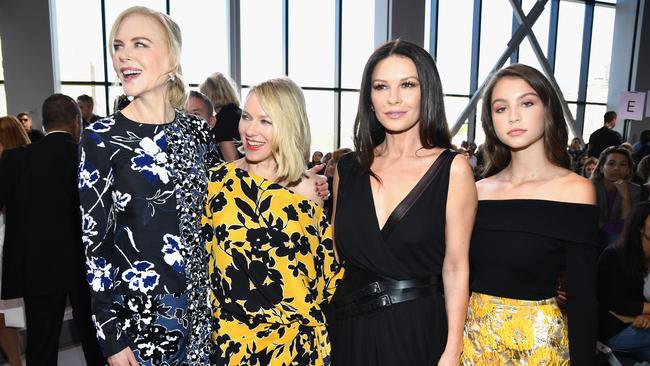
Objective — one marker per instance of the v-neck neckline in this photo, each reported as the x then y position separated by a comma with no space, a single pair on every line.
412,191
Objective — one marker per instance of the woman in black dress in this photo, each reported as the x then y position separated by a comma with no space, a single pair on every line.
534,217
403,206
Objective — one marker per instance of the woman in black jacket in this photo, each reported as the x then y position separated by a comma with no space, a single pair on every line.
624,287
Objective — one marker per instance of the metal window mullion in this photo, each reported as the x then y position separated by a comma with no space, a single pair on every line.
433,29
584,67
552,33
514,57
338,54
285,36
234,41
105,53
167,8
473,80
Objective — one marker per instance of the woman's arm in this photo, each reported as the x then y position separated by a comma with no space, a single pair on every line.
228,151
460,213
96,196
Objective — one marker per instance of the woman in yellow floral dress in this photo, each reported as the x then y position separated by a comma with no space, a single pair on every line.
271,268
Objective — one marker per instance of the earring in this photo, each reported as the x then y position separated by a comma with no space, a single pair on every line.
172,77
372,108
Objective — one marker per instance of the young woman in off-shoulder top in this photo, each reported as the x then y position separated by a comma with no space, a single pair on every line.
534,217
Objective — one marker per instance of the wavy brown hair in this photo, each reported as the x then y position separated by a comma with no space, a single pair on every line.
369,133
496,153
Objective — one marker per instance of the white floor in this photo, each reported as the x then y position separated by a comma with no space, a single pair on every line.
71,356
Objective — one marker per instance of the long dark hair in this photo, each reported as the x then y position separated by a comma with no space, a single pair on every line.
497,154
630,244
369,133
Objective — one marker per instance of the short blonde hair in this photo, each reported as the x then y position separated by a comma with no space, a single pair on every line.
176,90
283,101
220,90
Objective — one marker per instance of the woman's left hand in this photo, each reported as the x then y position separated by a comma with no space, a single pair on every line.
448,359
322,188
641,321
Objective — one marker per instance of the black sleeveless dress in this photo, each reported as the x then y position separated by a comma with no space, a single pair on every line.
413,247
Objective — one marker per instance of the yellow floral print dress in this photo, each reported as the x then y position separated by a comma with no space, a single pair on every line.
271,269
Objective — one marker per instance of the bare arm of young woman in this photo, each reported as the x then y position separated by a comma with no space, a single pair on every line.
461,211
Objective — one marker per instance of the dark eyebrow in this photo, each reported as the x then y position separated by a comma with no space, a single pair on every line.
402,79
518,98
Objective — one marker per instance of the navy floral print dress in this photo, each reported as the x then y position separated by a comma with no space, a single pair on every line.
142,187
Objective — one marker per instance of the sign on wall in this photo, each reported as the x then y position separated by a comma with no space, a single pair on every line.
631,105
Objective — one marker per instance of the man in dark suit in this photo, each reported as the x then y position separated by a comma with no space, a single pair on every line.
605,136
43,251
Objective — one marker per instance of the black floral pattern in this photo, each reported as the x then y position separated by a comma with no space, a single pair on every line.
271,269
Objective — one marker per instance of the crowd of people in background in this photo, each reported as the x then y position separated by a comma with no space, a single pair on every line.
207,228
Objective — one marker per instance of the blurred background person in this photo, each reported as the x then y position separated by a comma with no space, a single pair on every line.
87,106
26,120
222,93
624,287
615,193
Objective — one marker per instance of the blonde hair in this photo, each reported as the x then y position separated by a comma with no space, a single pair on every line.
283,101
12,133
220,90
176,90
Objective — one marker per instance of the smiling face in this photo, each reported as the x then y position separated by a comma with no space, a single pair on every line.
256,131
141,56
395,94
518,113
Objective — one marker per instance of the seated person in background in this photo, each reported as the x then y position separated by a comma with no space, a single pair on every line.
624,287
615,193
26,120
588,167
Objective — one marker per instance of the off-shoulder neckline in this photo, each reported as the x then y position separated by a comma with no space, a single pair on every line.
537,200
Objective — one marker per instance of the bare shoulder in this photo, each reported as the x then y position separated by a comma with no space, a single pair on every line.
460,167
486,187
574,188
307,189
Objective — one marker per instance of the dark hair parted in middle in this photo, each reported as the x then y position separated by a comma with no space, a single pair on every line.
497,154
369,133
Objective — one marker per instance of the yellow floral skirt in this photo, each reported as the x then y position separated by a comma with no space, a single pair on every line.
502,331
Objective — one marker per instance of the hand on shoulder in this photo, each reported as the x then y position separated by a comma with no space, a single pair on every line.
307,188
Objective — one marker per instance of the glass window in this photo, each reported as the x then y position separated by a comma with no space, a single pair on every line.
261,40
3,101
479,137
205,26
320,110
113,93
454,44
97,92
113,9
496,30
593,119
311,42
569,43
79,42
349,104
601,54
540,28
453,108
357,42
573,107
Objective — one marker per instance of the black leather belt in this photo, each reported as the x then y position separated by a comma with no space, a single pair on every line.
379,293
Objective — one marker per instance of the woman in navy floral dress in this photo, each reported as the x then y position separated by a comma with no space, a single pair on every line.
142,183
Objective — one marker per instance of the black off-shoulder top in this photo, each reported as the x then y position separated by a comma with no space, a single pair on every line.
518,248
